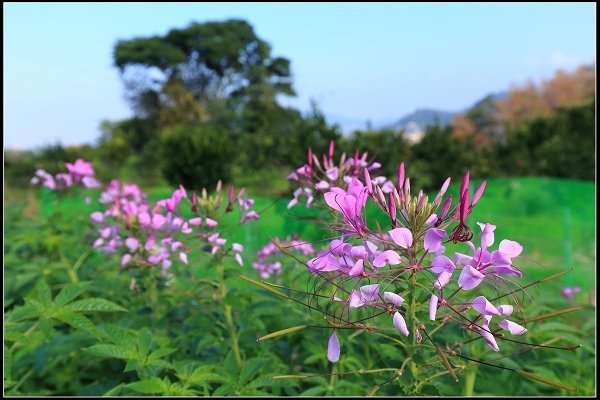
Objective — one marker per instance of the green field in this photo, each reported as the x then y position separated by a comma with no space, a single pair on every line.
554,220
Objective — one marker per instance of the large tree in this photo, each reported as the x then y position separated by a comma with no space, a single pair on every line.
215,62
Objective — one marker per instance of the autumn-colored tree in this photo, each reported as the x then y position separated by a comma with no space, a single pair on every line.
532,101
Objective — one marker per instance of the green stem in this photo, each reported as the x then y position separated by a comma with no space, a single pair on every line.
412,323
228,311
470,375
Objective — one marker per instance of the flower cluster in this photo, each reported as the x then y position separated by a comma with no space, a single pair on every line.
267,262
80,172
155,235
317,177
376,270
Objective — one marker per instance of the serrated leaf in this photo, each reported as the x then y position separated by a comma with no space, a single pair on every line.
165,351
95,304
77,321
43,292
114,391
70,292
148,386
25,312
144,341
108,351
198,378
118,335
224,390
249,369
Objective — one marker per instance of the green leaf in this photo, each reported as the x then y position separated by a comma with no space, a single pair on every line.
249,369
224,390
114,391
25,312
70,292
148,386
118,335
95,304
144,341
199,377
43,292
7,364
165,351
77,321
109,351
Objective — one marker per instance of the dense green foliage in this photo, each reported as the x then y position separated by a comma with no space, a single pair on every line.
74,326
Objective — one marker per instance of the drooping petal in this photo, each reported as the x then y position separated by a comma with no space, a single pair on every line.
333,348
370,293
484,307
292,203
388,257
359,252
322,185
196,221
512,327
355,300
510,248
402,237
125,259
331,198
211,223
487,234
433,302
442,279
507,270
183,258
505,309
433,239
339,247
131,243
393,298
400,323
332,173
470,278
357,269
442,264
462,259
239,260
97,217
489,338
237,247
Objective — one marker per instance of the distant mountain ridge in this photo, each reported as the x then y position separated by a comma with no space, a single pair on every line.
423,118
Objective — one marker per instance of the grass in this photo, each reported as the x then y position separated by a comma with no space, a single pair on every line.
554,219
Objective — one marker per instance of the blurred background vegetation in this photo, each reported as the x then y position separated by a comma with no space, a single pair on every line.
205,102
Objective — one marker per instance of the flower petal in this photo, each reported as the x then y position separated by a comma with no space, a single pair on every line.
402,237
393,298
433,302
484,307
333,348
370,293
400,323
358,268
470,278
433,239
489,338
388,257
512,327
510,248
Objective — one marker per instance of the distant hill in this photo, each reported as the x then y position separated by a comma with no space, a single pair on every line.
423,118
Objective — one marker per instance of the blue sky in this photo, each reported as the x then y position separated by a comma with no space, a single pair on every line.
359,62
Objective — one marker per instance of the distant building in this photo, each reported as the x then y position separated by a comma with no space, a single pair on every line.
413,132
